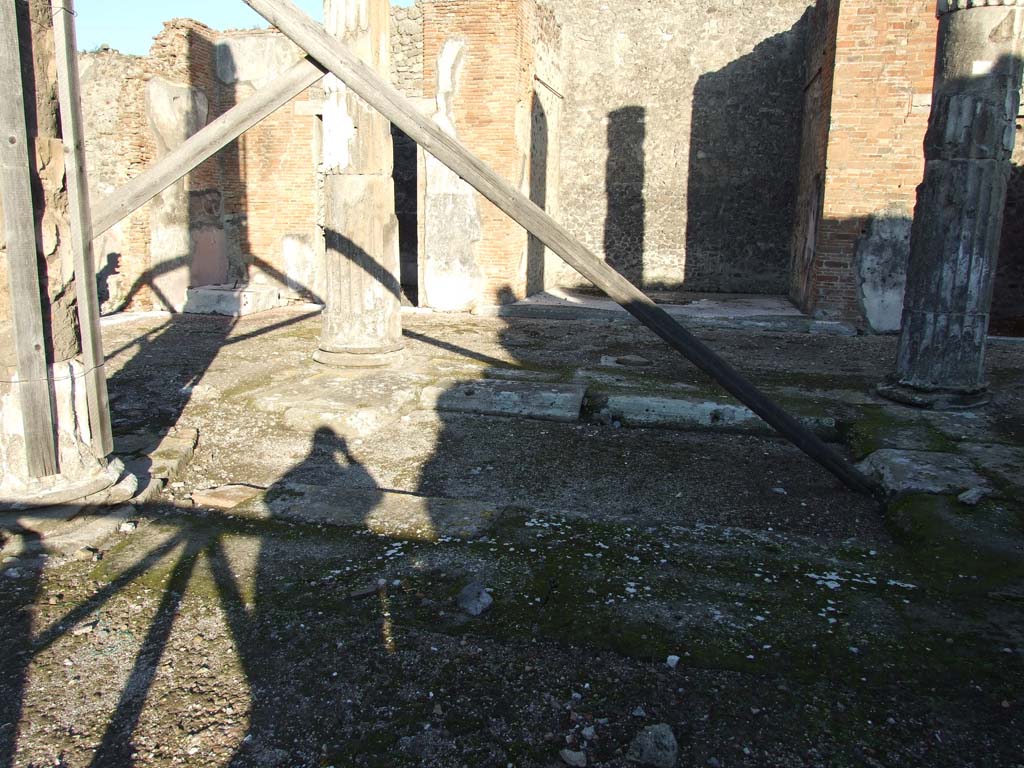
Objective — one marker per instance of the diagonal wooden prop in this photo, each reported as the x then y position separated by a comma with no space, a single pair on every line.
367,84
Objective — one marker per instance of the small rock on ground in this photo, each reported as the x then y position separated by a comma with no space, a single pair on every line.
655,746
474,599
570,757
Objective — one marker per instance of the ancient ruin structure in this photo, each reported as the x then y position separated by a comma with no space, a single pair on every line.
958,220
51,448
703,150
361,319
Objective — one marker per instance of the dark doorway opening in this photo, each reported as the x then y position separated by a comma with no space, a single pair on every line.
405,175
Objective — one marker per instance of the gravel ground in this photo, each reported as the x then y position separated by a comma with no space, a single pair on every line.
805,635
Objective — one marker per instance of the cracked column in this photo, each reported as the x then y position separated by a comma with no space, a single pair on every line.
362,314
958,218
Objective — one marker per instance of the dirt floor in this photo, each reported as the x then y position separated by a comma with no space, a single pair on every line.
712,580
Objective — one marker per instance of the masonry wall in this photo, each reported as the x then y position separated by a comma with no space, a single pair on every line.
250,210
407,49
493,112
872,122
817,114
681,138
881,99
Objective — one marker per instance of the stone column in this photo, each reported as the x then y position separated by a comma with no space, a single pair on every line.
81,470
958,218
362,317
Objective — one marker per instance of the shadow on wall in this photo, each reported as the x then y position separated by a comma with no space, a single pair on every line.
744,169
538,193
624,192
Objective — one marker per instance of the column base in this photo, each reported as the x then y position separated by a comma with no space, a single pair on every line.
934,400
371,358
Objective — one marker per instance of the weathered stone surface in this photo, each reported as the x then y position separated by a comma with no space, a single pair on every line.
225,496
82,472
353,403
552,402
474,599
170,457
657,172
881,264
232,300
362,312
903,471
175,113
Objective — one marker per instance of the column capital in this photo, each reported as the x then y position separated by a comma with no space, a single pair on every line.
951,6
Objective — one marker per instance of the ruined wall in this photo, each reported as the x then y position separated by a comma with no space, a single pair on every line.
119,146
407,49
247,214
879,113
869,109
681,138
492,112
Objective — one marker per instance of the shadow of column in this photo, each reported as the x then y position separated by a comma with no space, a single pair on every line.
744,167
624,192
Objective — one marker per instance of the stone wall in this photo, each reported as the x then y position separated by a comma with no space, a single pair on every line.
681,138
246,215
492,109
407,49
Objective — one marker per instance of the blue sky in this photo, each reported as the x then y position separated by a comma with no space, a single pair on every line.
130,25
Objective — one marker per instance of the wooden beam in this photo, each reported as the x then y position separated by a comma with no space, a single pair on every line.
16,159
72,127
363,81
204,144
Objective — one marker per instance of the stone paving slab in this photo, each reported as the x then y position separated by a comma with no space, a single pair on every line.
494,397
353,403
902,471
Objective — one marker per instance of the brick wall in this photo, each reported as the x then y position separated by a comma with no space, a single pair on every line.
252,202
881,96
492,115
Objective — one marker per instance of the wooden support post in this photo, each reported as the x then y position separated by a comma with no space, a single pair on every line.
373,89
16,155
72,123
204,144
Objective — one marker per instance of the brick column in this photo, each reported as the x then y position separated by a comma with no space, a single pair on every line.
958,218
362,323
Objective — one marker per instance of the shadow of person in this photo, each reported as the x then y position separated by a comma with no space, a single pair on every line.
294,701
20,584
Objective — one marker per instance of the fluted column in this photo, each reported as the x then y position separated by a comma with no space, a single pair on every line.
958,218
361,318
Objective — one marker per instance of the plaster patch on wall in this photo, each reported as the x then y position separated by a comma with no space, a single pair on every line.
881,269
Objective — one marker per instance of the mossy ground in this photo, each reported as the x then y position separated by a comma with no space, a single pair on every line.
807,634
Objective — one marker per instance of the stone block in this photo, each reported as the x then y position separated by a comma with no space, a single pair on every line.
232,300
550,402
